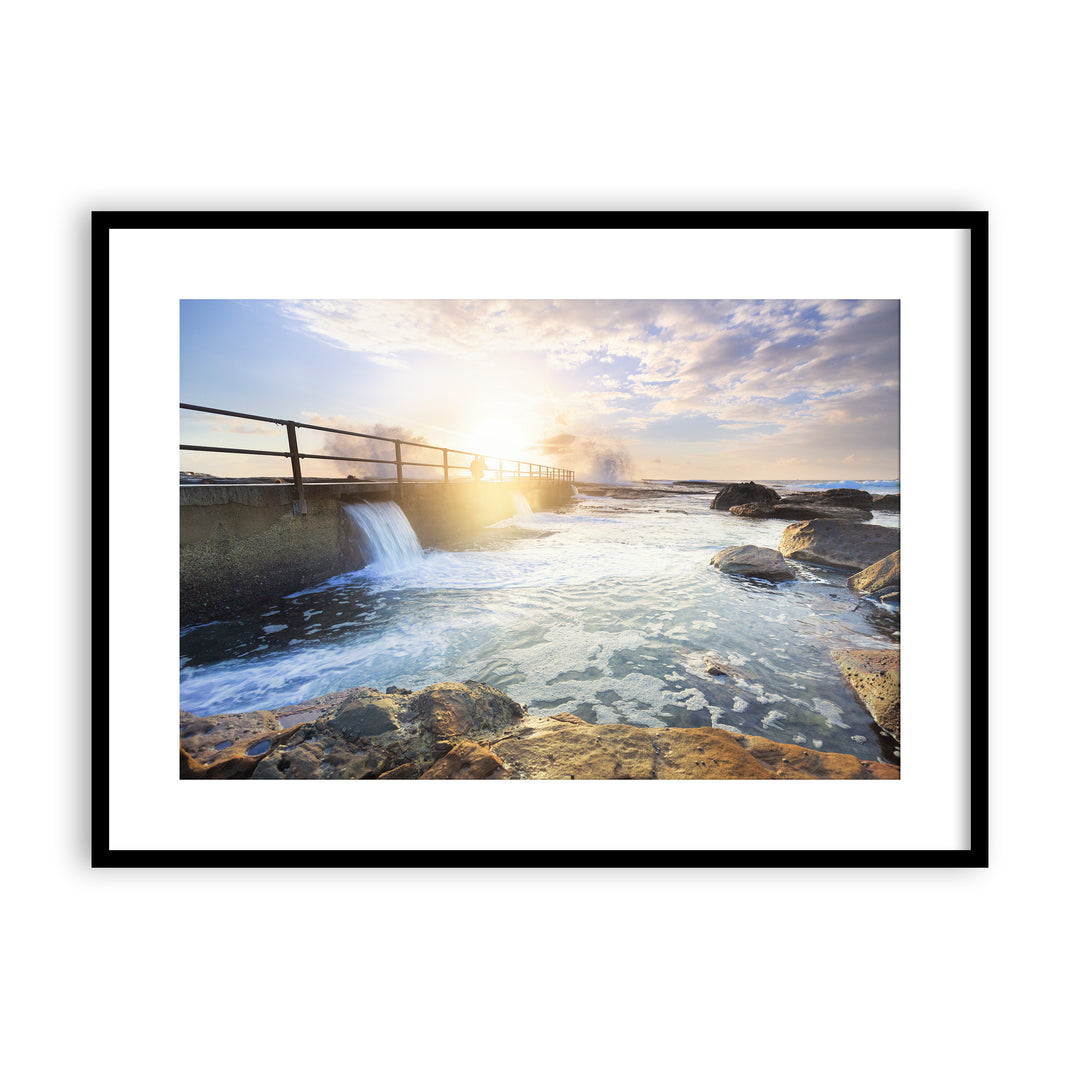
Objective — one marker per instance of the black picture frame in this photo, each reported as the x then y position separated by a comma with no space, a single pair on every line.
975,798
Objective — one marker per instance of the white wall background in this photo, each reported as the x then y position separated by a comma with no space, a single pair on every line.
564,106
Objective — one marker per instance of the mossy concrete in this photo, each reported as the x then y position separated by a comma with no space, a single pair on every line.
244,545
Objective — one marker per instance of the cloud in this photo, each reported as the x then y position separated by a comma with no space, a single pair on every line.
565,333
787,371
247,427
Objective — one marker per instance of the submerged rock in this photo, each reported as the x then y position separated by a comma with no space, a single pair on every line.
874,675
880,580
747,560
844,544
731,495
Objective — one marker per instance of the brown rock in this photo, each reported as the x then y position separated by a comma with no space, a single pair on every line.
229,746
325,756
409,771
874,675
502,743
467,761
800,511
836,497
302,762
450,709
808,511
747,560
752,510
394,736
845,544
366,712
880,579
554,748
887,502
561,749
731,495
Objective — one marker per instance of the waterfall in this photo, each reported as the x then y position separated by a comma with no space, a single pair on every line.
522,509
383,537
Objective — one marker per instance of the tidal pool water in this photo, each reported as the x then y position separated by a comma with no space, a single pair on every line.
607,608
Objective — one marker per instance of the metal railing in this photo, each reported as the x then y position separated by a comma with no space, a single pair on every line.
507,469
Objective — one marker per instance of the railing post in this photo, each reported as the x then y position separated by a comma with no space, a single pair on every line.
445,469
500,470
294,457
397,458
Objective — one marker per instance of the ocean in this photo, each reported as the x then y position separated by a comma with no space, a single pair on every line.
606,608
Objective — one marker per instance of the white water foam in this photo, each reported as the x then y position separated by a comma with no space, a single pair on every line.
617,617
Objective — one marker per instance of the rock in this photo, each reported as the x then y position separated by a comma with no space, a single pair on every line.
845,544
835,497
229,746
564,748
880,579
399,735
753,510
448,710
500,741
808,511
367,712
887,502
467,761
322,757
746,560
874,675
736,494
800,511
715,666
409,771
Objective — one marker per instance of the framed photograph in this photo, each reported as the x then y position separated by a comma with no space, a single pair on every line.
551,497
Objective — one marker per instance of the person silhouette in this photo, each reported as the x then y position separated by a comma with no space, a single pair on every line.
477,468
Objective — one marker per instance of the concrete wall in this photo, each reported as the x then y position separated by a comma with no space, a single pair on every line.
244,545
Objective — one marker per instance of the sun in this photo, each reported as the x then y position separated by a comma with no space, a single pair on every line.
500,437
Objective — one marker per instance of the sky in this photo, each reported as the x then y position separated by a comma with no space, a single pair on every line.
723,390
